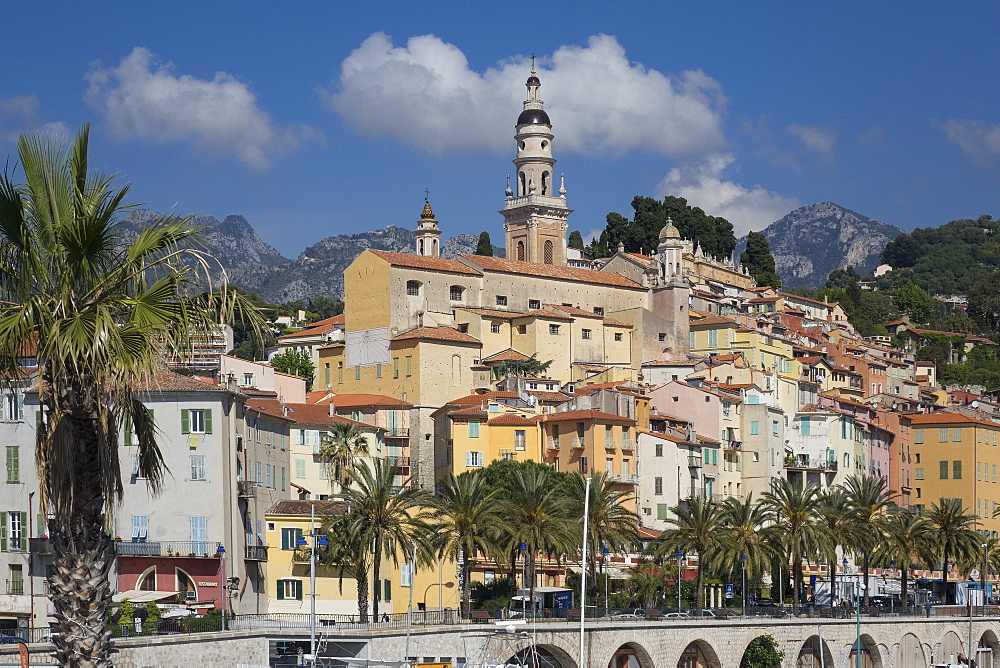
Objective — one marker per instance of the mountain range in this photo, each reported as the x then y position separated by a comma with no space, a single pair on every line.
812,241
807,245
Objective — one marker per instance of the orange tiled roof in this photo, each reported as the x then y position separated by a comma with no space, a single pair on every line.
572,310
543,313
542,395
586,415
437,333
351,400
301,413
422,262
471,411
164,380
505,356
611,322
510,420
947,417
488,312
483,398
317,328
551,271
304,508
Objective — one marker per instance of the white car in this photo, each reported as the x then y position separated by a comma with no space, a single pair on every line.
677,615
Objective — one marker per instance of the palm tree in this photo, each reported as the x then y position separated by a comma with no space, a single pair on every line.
610,524
102,314
386,522
698,523
467,514
538,517
835,518
905,540
954,534
792,508
744,534
348,551
871,501
340,447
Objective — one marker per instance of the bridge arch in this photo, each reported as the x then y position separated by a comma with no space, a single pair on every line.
698,653
553,652
910,652
951,646
991,658
871,653
809,654
630,655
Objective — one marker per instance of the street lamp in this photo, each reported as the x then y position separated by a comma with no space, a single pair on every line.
318,540
604,562
221,553
524,582
843,587
446,585
857,644
902,594
679,555
743,591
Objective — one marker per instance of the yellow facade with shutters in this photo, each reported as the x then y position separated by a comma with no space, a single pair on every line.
476,441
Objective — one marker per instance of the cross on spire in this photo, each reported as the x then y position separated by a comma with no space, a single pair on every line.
427,193
532,61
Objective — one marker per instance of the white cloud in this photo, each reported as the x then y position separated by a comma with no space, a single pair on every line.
142,99
979,140
702,184
426,95
20,115
815,139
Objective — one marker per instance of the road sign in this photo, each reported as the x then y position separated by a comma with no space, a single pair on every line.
730,591
974,574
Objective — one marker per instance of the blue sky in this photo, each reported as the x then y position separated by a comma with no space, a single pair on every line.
313,119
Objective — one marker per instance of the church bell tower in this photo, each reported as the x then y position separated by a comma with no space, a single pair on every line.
428,234
535,216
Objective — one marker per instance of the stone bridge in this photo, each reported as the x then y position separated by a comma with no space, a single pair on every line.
902,642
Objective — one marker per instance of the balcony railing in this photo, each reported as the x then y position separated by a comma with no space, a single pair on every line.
609,445
397,432
694,462
256,552
398,461
805,463
172,548
578,443
15,587
247,489
39,546
552,444
628,445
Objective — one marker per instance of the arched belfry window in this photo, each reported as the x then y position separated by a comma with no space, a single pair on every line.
548,252
545,183
520,251
523,185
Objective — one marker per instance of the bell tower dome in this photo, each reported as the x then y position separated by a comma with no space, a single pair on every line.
428,233
535,216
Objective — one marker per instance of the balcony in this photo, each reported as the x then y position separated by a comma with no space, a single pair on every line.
15,587
397,432
804,463
398,461
732,445
256,553
694,462
246,489
609,445
552,444
39,546
628,446
578,444
172,548
627,478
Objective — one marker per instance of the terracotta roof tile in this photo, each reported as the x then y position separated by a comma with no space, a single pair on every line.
301,413
506,356
572,310
351,400
437,333
586,415
543,313
549,396
305,508
471,411
947,417
317,328
511,420
488,312
164,380
611,322
551,271
472,399
422,262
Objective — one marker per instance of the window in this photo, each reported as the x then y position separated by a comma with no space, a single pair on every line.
608,443
395,367
661,511
473,459
583,464
15,581
456,293
774,427
534,304
554,330
507,456
300,468
413,288
501,300
691,340
290,589
956,469
918,474
956,434
197,467
585,334
324,470
659,449
943,435
519,439
547,249
754,428
662,337
340,372
378,370
943,474
618,336
260,474
805,423
495,327
609,466
140,527
284,482
13,408
13,463
918,436
522,329
473,429
598,310
290,537
268,475
657,485
196,421
713,337
199,534
409,366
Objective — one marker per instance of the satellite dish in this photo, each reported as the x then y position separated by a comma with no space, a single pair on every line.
975,404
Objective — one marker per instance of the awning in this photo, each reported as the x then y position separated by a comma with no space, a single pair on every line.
613,572
142,596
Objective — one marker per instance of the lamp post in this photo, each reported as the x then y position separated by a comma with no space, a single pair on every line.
604,563
743,590
524,581
857,643
679,555
843,586
986,568
221,553
443,585
902,594
320,541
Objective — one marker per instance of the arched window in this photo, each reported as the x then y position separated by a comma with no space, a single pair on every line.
520,251
147,581
413,288
420,246
545,183
523,186
185,586
548,252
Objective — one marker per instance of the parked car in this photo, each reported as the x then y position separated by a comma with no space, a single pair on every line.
694,612
10,640
676,615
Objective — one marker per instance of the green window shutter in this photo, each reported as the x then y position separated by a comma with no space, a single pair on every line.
10,471
41,529
38,419
282,478
944,470
208,420
24,531
388,589
128,430
661,511
298,590
281,590
185,421
3,531
15,455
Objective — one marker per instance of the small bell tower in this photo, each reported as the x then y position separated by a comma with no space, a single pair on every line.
428,233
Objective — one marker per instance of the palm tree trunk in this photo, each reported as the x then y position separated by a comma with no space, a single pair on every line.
376,571
464,603
944,577
867,558
361,578
903,580
531,573
833,577
701,584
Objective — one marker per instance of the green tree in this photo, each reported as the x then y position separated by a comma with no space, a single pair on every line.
792,508
984,301
834,517
913,301
326,307
955,537
101,314
713,234
532,367
340,447
610,524
759,262
467,514
393,522
907,541
744,533
842,278
485,246
295,363
154,617
696,528
575,240
871,501
762,652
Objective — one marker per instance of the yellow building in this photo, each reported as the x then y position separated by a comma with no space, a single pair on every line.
337,593
956,457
